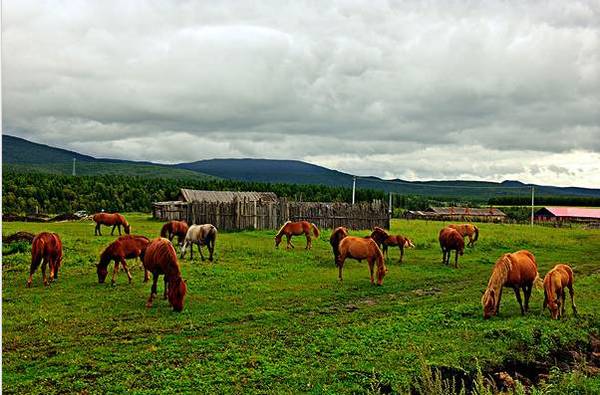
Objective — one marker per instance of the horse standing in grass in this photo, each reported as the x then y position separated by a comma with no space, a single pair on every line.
517,270
125,247
160,258
200,235
467,230
385,240
290,229
555,282
450,240
360,248
174,228
46,248
115,220
336,237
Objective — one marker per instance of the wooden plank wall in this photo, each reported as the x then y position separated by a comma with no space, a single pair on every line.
243,214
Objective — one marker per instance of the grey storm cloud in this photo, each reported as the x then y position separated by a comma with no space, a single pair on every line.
380,87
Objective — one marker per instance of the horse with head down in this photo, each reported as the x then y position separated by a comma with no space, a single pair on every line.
385,240
125,247
290,229
450,240
555,282
200,235
115,220
360,248
47,248
175,228
467,230
160,258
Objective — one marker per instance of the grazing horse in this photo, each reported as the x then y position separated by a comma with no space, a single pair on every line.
160,258
47,248
516,270
467,230
360,248
450,240
174,228
384,240
114,220
200,235
290,229
336,237
555,282
125,247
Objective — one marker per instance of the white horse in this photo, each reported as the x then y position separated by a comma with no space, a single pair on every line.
200,235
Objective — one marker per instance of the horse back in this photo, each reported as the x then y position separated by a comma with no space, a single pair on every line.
524,269
160,257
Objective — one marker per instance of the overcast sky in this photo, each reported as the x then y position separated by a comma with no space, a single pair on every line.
417,90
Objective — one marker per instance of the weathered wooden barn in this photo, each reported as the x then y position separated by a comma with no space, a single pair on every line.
458,214
229,210
567,214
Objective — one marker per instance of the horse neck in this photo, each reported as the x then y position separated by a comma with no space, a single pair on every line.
105,257
550,288
500,274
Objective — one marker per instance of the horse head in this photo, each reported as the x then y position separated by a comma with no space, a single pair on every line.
102,273
277,240
127,228
489,303
554,306
176,292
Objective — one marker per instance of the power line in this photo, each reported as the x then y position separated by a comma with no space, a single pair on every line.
419,184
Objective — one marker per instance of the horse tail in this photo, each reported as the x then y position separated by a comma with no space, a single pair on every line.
165,230
37,253
476,233
213,236
315,230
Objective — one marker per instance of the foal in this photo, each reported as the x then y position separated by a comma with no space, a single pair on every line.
555,282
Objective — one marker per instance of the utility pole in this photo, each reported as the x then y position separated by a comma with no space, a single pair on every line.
532,202
74,167
390,210
353,189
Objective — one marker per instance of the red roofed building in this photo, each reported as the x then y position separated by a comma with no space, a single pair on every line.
568,214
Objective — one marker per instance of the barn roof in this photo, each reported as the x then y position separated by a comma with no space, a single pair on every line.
195,195
574,212
476,212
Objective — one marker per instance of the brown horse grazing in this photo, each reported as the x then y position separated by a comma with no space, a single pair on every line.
385,240
45,247
360,248
336,237
160,258
467,230
555,282
516,270
114,220
200,235
174,228
290,229
125,247
450,240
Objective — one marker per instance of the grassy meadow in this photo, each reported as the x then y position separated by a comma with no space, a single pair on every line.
261,320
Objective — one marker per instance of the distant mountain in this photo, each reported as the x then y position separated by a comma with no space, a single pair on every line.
22,155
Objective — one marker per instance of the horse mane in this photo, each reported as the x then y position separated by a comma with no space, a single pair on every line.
165,229
283,227
500,272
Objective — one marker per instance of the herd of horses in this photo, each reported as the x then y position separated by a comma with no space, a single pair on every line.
516,270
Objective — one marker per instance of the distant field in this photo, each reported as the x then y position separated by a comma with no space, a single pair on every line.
266,320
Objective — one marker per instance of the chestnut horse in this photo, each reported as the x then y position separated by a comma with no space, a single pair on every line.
290,229
516,270
200,235
336,237
383,239
360,248
174,228
467,230
555,282
114,220
125,247
160,258
450,240
47,248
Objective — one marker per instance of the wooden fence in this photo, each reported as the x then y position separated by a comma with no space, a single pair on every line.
244,214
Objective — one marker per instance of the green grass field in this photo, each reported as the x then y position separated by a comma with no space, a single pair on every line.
265,320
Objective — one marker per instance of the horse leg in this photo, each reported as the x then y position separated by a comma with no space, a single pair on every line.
527,292
97,231
443,256
124,264
152,290
119,228
371,265
401,247
308,242
289,242
166,288
115,271
562,307
113,230
498,302
211,250
455,259
572,295
44,272
518,295
200,251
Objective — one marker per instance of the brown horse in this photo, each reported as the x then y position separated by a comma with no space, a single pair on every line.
360,248
160,258
174,228
290,229
336,237
450,240
200,235
114,220
125,247
467,230
384,240
517,271
45,247
555,282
